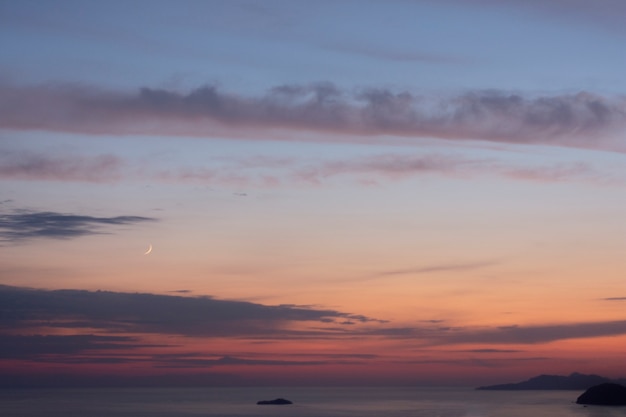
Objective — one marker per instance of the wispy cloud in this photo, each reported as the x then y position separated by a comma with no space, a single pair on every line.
581,119
604,14
445,334
536,334
491,351
269,172
437,268
385,167
30,165
202,362
47,346
21,225
428,269
389,53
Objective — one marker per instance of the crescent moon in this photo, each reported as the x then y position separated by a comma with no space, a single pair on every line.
149,250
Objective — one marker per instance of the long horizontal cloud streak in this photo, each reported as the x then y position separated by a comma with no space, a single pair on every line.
30,310
268,172
149,313
29,346
402,166
572,120
538,334
29,165
436,268
28,225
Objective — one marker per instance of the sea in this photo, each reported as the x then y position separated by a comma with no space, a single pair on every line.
307,402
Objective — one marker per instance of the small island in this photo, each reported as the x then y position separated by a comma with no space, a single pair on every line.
277,401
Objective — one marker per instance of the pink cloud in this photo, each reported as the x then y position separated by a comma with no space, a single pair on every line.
40,166
375,169
389,166
271,172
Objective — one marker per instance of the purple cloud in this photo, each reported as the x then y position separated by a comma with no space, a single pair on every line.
582,119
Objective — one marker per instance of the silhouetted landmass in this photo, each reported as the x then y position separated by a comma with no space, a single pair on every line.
604,394
277,401
574,381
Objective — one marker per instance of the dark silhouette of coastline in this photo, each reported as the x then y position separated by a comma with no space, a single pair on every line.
604,394
574,381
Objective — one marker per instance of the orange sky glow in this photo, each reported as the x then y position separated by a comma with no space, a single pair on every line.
329,199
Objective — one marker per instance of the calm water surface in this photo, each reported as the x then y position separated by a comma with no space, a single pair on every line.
308,402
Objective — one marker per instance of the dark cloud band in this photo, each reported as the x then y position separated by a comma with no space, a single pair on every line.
579,119
27,225
151,313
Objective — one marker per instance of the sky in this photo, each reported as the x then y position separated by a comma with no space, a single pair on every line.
311,193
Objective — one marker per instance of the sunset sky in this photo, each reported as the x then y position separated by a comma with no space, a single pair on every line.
335,192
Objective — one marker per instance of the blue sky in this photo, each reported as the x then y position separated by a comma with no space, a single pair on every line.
248,46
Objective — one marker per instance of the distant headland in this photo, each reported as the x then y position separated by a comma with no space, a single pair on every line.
574,381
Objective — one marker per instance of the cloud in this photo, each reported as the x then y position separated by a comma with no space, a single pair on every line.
442,334
535,334
43,346
580,119
29,311
29,165
491,351
604,14
428,269
76,331
271,172
23,225
372,169
186,362
388,166
480,362
389,53
73,328
438,268
150,313
575,171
